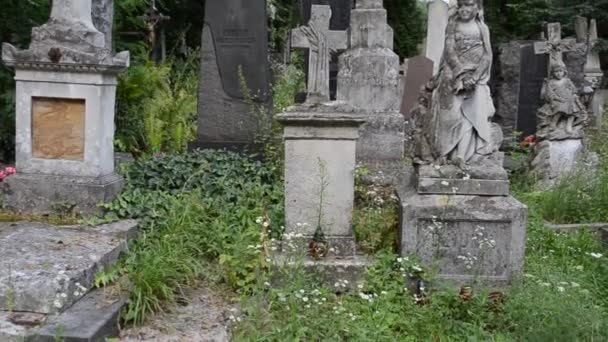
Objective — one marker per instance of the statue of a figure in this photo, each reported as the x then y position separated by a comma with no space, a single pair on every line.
563,114
461,105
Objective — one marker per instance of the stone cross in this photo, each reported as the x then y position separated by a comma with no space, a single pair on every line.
555,45
321,43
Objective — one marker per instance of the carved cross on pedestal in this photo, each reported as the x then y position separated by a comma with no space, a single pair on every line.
555,45
321,43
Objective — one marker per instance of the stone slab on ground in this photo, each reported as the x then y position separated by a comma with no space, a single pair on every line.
93,318
46,269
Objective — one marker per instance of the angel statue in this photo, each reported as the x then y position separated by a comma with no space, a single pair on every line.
563,115
461,107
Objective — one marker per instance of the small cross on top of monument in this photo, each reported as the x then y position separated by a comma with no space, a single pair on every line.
321,43
555,46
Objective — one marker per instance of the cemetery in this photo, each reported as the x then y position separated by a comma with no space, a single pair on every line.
286,170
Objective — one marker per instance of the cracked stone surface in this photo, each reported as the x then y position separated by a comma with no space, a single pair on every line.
45,269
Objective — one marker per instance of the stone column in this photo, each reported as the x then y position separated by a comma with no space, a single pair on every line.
368,79
435,31
65,97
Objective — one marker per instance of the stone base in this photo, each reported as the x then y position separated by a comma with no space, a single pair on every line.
469,239
45,274
44,268
45,194
92,318
488,179
553,159
332,270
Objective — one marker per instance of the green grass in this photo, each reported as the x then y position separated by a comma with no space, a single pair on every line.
203,216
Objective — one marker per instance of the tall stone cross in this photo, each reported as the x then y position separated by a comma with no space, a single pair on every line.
555,45
321,42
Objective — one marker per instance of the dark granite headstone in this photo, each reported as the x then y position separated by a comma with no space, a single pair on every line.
234,38
533,71
419,72
340,21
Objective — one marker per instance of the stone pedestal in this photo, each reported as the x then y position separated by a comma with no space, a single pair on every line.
320,147
557,158
320,150
469,239
65,99
464,223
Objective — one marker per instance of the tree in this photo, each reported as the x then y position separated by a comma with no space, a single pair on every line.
407,19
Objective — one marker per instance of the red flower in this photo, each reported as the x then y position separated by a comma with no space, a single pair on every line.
529,141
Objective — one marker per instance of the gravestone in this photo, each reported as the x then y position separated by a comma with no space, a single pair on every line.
369,80
321,43
234,44
65,99
532,75
340,21
435,31
420,71
521,74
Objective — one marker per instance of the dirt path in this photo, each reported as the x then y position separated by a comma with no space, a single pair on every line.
204,319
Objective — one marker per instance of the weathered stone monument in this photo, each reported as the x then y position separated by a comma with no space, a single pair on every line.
234,49
320,154
524,65
560,127
457,213
66,83
369,80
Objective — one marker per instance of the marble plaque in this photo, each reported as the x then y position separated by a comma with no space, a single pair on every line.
58,128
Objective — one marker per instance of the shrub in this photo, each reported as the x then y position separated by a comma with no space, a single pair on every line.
157,106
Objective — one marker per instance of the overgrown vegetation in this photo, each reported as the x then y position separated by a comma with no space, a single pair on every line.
157,106
193,210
